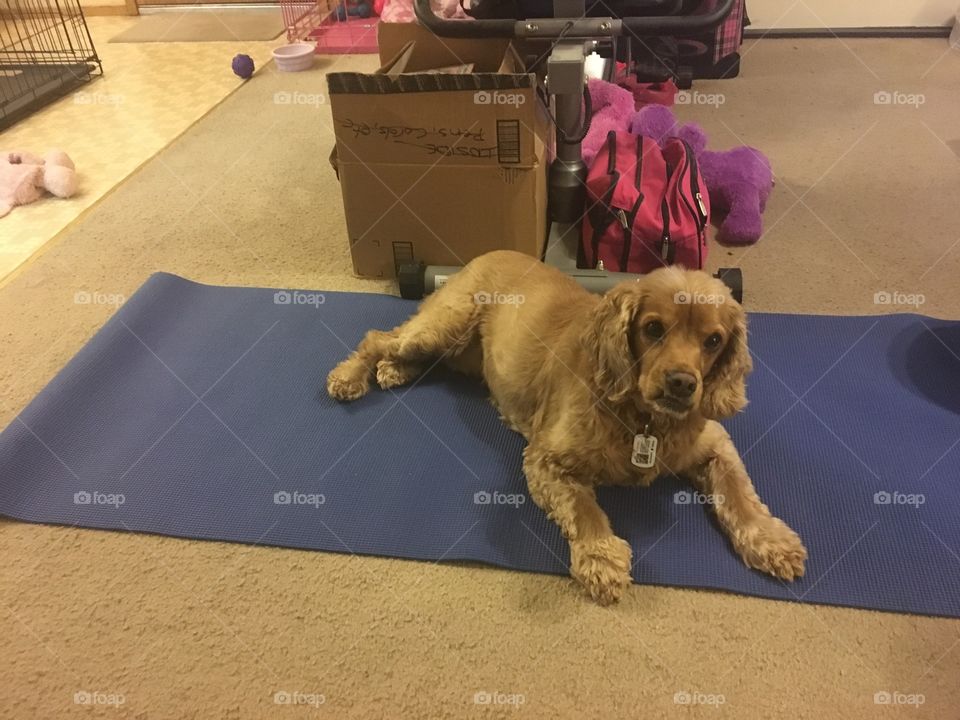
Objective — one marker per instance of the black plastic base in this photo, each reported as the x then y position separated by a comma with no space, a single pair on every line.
410,278
733,279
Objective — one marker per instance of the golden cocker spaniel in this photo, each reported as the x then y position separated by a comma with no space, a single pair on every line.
617,389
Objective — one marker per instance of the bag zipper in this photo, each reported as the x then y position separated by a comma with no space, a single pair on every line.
666,244
688,165
611,152
700,213
695,183
627,220
599,229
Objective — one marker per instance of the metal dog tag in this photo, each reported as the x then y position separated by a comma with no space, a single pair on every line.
644,451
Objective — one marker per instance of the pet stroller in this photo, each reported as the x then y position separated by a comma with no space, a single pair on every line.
573,30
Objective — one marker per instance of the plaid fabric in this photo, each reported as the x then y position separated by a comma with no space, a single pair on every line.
730,33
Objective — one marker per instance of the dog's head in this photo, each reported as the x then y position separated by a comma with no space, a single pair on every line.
675,340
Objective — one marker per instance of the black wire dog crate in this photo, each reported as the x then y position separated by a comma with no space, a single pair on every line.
45,52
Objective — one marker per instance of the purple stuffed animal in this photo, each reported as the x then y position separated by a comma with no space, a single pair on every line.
739,180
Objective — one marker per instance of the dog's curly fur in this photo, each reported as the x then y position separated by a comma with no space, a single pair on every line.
579,376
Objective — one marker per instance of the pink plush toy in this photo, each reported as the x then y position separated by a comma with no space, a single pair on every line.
25,177
400,11
739,180
611,106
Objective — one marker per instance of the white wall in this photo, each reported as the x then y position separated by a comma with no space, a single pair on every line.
788,14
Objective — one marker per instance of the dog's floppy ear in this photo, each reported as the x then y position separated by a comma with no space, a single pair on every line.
607,341
724,387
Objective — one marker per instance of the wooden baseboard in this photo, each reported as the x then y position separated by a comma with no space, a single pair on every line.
128,8
849,32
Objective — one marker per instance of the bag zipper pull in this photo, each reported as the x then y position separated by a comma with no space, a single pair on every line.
665,248
700,204
622,217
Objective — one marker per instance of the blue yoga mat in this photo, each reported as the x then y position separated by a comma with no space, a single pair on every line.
200,412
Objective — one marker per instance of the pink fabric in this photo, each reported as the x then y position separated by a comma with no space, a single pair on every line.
729,35
401,11
646,207
662,93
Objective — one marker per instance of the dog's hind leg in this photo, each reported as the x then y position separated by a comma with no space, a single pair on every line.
392,373
351,378
443,327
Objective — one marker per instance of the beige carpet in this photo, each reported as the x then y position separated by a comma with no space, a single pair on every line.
205,26
865,202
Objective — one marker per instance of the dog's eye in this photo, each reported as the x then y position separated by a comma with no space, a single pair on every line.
654,330
713,342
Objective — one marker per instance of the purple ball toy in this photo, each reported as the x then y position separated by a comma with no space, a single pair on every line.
243,66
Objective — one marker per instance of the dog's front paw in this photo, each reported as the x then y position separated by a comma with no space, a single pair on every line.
602,567
345,385
771,546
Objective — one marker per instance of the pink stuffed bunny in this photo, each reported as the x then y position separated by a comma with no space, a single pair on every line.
612,105
24,178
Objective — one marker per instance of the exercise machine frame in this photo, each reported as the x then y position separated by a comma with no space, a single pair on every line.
573,36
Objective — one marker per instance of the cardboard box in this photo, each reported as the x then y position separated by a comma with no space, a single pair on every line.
441,166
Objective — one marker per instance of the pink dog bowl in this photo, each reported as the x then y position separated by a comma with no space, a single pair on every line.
295,56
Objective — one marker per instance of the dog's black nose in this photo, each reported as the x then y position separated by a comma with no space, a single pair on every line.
681,384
